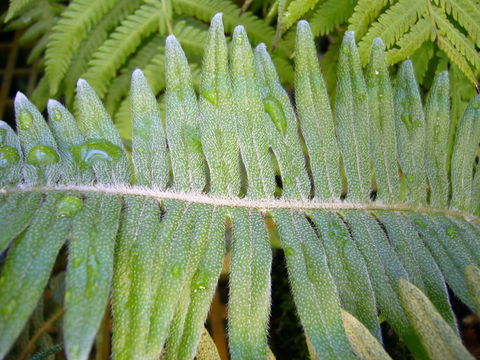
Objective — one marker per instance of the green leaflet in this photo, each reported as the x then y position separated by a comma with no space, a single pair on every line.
90,269
313,288
437,146
11,159
149,149
450,256
383,147
463,156
249,286
472,276
67,135
217,119
351,120
439,339
28,267
133,289
364,345
17,211
409,125
315,117
38,145
282,130
385,272
348,269
203,283
251,119
421,267
188,164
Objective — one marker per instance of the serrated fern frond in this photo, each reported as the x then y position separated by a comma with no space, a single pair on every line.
330,14
121,43
68,33
378,208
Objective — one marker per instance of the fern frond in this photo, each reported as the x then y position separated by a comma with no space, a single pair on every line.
411,41
68,33
457,39
364,13
17,6
330,14
232,16
92,41
119,86
295,10
121,43
467,13
456,57
392,24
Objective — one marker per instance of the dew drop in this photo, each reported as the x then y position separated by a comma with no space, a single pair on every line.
275,111
8,156
68,206
377,72
176,270
289,251
57,115
25,119
420,223
409,178
476,105
451,232
192,137
42,155
418,123
407,120
92,151
210,95
200,281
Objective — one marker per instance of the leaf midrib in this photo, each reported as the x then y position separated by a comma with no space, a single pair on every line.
248,203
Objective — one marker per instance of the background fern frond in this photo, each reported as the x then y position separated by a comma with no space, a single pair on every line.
330,14
68,33
467,13
121,43
392,24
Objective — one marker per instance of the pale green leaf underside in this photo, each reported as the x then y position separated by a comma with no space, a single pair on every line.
362,202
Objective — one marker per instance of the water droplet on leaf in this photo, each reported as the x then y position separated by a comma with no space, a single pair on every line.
8,156
176,270
68,206
451,232
420,223
25,119
476,105
210,95
92,151
407,120
57,115
274,109
192,137
42,155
